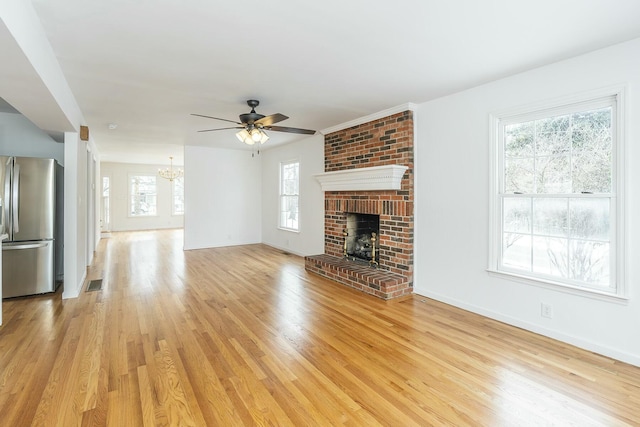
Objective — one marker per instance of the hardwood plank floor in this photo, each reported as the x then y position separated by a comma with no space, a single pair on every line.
244,336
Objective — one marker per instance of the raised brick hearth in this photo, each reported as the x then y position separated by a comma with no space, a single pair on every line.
386,141
381,283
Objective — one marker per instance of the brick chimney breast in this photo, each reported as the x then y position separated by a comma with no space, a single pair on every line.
382,142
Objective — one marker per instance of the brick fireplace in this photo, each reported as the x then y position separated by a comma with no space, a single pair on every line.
368,151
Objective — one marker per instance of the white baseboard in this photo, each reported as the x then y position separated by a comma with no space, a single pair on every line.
74,293
569,339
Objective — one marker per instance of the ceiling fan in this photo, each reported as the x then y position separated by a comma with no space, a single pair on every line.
253,125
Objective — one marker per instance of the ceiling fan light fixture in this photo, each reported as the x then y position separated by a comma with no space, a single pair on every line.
252,125
252,136
258,135
264,138
244,136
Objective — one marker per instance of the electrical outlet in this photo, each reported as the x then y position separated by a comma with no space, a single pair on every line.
546,310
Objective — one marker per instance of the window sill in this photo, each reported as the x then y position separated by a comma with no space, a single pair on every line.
568,289
291,230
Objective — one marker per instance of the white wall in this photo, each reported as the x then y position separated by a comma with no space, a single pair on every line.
20,137
222,197
118,174
310,238
452,214
74,215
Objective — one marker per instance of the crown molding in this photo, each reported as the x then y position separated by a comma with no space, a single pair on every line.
371,117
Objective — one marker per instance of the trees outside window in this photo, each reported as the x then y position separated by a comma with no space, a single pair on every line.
557,195
142,195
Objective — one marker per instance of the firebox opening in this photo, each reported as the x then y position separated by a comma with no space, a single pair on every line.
359,242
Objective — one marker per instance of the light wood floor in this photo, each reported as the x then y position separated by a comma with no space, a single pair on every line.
244,336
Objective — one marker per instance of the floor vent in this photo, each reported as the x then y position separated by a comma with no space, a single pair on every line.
95,285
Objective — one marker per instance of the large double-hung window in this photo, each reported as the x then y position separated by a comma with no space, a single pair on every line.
557,202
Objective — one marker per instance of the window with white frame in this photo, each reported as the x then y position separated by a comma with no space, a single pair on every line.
142,195
289,194
178,196
558,200
105,220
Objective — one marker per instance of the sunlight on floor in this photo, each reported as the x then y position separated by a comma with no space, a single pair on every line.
534,403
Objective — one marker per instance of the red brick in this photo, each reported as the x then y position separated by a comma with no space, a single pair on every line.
381,142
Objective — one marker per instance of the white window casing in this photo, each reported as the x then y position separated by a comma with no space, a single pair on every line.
557,222
289,200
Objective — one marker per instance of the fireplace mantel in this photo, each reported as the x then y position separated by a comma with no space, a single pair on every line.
374,178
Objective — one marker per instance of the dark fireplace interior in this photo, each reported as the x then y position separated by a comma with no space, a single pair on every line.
360,229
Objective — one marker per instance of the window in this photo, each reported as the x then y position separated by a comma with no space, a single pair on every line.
178,196
556,204
105,221
142,195
289,194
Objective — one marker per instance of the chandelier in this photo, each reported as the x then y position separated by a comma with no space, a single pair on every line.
170,173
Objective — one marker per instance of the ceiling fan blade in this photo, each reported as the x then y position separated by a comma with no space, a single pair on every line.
216,118
269,120
209,130
292,130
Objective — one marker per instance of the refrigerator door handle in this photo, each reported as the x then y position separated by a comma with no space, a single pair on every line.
26,246
7,195
16,198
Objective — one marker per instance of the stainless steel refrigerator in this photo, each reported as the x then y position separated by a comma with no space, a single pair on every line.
32,217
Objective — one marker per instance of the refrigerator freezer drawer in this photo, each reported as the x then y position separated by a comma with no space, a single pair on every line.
27,268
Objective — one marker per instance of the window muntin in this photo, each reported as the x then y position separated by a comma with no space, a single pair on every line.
142,195
289,195
177,189
557,198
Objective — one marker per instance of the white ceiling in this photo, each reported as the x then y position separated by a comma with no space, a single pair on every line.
145,65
